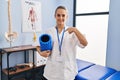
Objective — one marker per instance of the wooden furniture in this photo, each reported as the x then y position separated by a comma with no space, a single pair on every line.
14,50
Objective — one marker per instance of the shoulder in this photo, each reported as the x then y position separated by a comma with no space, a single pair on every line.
50,30
66,27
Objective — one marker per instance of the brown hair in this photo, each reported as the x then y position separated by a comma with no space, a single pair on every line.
60,7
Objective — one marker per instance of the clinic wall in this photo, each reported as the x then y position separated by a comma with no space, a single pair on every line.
47,6
113,47
23,38
16,13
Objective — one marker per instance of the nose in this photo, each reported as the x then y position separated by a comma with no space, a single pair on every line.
61,17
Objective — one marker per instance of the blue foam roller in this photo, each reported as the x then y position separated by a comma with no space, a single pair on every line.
45,41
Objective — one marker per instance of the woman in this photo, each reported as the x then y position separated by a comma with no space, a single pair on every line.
61,63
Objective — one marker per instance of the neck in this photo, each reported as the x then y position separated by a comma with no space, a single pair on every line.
60,28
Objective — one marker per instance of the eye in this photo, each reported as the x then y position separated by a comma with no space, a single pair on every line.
63,15
58,15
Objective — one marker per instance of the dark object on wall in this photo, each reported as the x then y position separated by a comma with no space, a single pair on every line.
45,41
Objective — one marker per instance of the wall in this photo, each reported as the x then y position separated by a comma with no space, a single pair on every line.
113,47
17,21
48,7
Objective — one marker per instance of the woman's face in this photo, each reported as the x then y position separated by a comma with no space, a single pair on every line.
61,16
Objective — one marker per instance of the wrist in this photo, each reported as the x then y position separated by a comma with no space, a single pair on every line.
75,30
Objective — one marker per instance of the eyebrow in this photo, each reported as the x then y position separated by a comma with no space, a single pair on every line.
60,14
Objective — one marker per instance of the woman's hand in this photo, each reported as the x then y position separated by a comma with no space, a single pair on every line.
71,29
43,53
79,35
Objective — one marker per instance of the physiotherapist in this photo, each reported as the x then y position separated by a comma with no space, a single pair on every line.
61,62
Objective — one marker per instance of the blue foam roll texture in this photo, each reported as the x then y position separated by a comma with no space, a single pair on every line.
45,41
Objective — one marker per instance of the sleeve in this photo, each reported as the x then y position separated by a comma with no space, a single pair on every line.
77,42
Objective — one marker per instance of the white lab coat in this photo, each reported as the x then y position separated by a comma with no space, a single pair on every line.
67,68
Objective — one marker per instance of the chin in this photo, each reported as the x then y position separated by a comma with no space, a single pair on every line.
60,23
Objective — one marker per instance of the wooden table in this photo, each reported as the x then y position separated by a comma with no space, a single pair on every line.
14,50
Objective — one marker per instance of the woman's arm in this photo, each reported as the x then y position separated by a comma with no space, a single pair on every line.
79,35
43,53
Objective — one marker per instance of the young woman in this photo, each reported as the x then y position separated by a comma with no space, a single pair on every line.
61,63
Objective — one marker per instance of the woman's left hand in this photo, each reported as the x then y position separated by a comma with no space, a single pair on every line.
79,35
71,29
